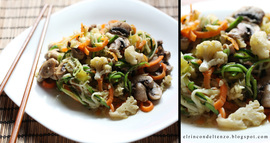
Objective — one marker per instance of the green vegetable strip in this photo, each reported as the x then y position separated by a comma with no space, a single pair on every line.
207,100
234,24
243,68
250,77
113,39
211,107
188,57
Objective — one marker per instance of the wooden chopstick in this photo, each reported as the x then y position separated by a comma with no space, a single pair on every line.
4,82
19,117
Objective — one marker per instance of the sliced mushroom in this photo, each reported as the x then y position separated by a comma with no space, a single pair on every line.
76,53
140,92
244,31
120,28
155,93
144,79
119,44
53,54
153,68
266,96
250,14
60,70
47,69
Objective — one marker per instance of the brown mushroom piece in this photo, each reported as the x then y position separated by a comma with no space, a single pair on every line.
53,54
76,53
118,44
144,79
155,93
153,68
140,92
152,89
250,14
120,28
60,70
47,69
266,96
243,31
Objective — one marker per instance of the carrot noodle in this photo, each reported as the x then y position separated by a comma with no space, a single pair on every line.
222,112
235,45
207,78
96,49
223,95
208,34
110,99
153,63
112,107
100,83
114,55
146,108
48,84
162,75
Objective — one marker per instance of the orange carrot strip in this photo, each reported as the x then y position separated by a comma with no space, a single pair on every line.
47,84
145,58
209,34
100,83
112,107
235,45
188,32
162,75
199,61
222,112
133,28
95,49
114,55
141,44
82,46
82,28
223,95
152,63
207,78
138,43
184,17
110,99
147,108
65,49
76,36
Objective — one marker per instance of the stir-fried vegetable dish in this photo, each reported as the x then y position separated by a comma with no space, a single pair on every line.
112,68
225,68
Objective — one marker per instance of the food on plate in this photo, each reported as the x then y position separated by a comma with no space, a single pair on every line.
112,68
225,68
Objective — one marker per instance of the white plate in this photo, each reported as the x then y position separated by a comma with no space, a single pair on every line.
223,9
70,119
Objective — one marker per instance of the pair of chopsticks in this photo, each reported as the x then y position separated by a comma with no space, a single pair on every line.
19,117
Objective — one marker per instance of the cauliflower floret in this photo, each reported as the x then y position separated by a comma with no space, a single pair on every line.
119,89
166,82
251,115
132,56
208,21
126,109
236,92
211,53
101,65
260,45
266,25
